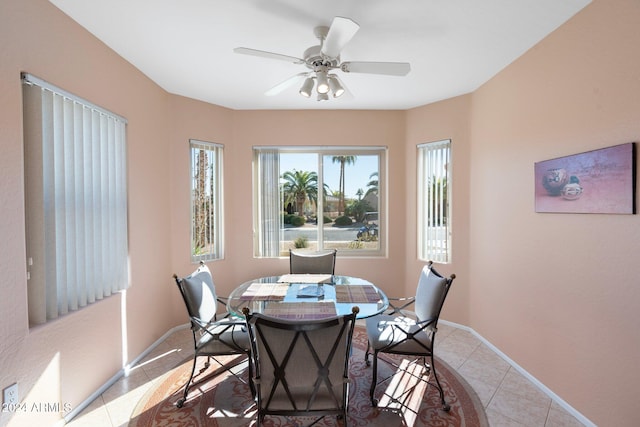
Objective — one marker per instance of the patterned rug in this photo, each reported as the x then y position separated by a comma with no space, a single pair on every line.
220,399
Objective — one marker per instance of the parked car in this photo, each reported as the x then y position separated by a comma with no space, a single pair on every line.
368,232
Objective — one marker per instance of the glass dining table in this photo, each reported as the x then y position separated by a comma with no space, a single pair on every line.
307,297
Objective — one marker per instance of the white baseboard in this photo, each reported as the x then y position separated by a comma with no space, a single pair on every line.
121,373
546,390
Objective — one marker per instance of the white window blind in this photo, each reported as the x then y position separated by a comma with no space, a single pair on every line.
268,219
206,201
76,201
434,201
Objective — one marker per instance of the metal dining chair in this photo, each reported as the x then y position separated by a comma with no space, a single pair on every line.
213,334
309,262
400,331
301,368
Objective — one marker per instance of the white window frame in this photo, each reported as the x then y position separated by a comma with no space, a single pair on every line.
267,204
213,229
434,216
75,201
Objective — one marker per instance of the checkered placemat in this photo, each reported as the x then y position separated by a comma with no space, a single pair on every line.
265,291
356,293
301,310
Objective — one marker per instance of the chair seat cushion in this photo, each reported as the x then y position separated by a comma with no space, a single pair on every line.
387,330
224,337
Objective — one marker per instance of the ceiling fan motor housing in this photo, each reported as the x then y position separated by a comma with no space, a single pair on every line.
314,59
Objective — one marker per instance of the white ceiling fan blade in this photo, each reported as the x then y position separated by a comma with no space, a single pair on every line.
286,84
270,55
386,68
341,31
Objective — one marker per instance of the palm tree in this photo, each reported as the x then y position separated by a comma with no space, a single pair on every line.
343,160
373,184
299,186
200,201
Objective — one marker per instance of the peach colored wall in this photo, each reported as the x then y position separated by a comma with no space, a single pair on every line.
442,120
70,358
558,293
316,128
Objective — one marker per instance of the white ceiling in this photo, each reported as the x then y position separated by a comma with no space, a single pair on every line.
186,46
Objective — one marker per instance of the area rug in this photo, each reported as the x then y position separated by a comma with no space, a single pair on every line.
220,399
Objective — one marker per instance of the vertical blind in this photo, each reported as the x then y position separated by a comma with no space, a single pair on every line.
76,201
267,223
434,213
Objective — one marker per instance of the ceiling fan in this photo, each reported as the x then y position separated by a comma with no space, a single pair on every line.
322,60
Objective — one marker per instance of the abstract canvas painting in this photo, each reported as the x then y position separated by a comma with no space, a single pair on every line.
598,181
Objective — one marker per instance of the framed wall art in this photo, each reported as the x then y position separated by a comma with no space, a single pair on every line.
598,181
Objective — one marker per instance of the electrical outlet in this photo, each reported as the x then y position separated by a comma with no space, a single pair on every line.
11,395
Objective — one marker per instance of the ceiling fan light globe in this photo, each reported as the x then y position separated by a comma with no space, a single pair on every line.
336,87
323,82
307,87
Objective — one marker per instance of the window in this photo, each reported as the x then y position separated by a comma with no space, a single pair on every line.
434,207
319,198
75,201
206,201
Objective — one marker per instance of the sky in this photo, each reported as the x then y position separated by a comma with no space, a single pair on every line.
357,175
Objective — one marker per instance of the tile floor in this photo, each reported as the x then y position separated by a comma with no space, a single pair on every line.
510,399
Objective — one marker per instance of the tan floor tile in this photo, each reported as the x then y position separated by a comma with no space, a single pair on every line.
496,419
136,378
163,362
484,391
559,417
485,355
120,408
455,350
453,359
445,330
532,413
464,336
182,338
94,415
515,382
491,374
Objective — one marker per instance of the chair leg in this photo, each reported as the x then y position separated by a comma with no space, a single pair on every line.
252,386
374,379
445,406
180,402
367,353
